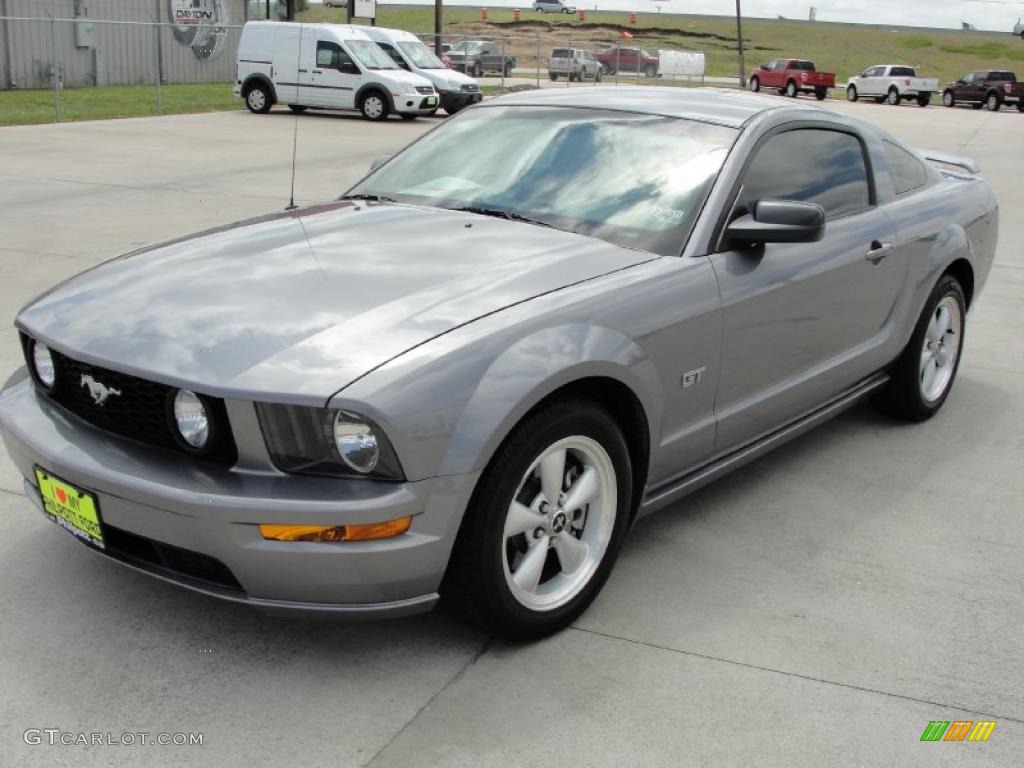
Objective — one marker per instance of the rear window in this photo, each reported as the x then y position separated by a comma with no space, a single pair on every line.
561,53
902,72
1001,76
908,172
804,65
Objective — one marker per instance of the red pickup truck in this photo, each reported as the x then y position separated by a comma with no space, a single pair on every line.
792,76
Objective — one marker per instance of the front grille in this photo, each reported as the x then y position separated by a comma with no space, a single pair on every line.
427,89
470,88
135,408
174,562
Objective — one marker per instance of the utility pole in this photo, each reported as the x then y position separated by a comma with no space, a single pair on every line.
438,23
739,41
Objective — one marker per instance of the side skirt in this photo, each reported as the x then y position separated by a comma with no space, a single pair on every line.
675,488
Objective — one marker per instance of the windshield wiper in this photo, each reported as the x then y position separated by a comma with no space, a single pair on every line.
500,214
369,198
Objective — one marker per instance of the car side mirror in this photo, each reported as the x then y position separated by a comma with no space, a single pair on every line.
380,160
778,221
348,68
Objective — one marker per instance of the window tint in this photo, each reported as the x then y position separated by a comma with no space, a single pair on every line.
902,72
327,54
908,173
811,165
1001,76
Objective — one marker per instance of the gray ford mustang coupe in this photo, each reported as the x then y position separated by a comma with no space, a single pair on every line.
465,378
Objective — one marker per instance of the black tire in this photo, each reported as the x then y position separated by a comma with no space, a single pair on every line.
475,586
755,84
650,71
893,97
1020,105
948,100
851,93
374,106
902,397
478,70
820,93
297,108
573,77
924,101
553,76
508,69
598,75
993,101
258,99
791,90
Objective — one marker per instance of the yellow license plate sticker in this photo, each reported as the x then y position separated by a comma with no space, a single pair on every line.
70,507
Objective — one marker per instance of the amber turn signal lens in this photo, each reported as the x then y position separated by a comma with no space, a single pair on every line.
363,532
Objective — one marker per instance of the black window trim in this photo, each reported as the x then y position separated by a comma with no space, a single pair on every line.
892,176
718,236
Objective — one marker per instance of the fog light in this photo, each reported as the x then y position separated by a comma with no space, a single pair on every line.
361,532
191,419
42,363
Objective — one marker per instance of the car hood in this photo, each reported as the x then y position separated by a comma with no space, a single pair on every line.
295,306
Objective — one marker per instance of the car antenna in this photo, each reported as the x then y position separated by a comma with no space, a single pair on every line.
295,129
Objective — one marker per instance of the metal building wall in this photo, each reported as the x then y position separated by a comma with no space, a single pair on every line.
112,53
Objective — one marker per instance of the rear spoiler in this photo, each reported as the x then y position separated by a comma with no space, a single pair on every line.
947,158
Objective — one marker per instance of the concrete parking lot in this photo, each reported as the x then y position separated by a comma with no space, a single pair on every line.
818,608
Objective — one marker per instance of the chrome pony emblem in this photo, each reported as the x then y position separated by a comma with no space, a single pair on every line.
99,391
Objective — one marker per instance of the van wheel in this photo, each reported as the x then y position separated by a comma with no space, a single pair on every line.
545,524
297,108
257,99
374,106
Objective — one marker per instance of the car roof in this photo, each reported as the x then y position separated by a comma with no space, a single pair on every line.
721,106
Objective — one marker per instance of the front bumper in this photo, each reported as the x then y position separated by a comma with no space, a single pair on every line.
459,99
181,521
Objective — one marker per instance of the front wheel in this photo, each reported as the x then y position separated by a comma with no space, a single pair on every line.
755,84
374,106
791,89
851,93
893,97
947,99
923,376
545,524
650,71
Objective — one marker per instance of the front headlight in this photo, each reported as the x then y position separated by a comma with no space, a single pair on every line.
407,89
323,441
455,85
42,365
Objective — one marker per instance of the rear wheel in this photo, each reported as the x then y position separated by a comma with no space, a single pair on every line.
791,89
923,376
851,93
257,99
947,99
755,84
545,525
893,97
374,106
993,102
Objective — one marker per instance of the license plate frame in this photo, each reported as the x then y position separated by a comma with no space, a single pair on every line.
70,507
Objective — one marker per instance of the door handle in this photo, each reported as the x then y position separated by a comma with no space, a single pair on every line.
878,251
303,70
317,72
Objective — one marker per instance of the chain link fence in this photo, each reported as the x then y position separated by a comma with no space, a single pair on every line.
77,67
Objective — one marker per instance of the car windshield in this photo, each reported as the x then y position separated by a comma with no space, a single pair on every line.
370,55
635,180
420,55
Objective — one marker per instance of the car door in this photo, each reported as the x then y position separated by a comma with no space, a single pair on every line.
489,57
967,89
803,321
771,74
333,78
873,81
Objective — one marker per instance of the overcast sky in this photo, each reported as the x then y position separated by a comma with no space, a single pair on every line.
987,14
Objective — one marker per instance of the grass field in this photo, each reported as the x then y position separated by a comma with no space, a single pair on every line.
37,106
845,49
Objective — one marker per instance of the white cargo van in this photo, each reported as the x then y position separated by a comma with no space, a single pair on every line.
409,52
326,66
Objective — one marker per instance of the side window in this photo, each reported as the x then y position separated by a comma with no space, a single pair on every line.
908,173
811,165
328,54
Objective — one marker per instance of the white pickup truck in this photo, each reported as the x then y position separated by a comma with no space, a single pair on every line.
892,83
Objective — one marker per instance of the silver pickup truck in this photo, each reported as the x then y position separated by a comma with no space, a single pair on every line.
892,83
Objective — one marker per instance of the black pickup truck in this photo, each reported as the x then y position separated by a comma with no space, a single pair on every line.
989,88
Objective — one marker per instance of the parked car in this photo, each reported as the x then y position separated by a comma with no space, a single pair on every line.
456,89
311,411
325,66
617,59
989,88
574,63
475,57
792,77
892,83
553,6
